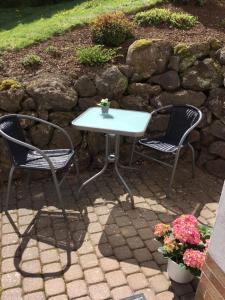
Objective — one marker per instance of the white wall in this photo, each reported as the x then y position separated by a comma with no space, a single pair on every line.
217,243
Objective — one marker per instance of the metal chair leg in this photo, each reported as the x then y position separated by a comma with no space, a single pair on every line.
59,196
9,187
173,171
76,164
132,152
193,159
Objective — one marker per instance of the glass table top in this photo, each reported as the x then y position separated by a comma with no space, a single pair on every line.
116,121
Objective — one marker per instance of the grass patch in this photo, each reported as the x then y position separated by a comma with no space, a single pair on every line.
160,16
94,55
23,26
53,51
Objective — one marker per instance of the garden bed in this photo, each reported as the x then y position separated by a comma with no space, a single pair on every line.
209,26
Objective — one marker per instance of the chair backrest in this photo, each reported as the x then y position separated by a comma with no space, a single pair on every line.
182,118
10,126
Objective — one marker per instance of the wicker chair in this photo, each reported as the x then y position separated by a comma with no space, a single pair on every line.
183,119
29,157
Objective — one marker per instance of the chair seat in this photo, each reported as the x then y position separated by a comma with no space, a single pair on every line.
60,159
161,143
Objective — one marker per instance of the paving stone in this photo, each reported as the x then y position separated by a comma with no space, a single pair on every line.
159,283
86,248
168,295
111,229
94,227
139,223
88,261
9,251
116,240
9,239
49,256
121,292
106,219
129,266
35,296
8,265
74,272
54,287
12,294
206,213
92,217
101,210
52,268
94,275
123,221
150,268
32,284
109,264
98,238
99,291
7,228
30,253
76,289
159,258
128,231
60,297
64,258
146,233
142,255
152,245
103,250
115,278
181,289
149,293
32,266
135,242
123,253
137,281
10,280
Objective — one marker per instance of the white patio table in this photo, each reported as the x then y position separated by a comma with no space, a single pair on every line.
116,123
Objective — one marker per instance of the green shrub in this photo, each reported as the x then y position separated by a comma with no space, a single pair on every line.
53,51
94,55
159,16
8,84
31,60
111,29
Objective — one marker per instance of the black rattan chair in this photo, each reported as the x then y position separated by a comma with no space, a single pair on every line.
29,157
183,119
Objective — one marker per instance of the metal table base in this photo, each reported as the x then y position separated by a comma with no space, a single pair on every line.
111,157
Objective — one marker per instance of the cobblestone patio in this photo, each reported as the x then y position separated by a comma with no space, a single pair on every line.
111,253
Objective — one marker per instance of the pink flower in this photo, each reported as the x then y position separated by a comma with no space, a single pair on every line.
169,244
185,229
161,229
194,258
207,245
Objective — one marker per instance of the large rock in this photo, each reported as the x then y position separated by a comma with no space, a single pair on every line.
216,167
174,63
169,80
86,102
40,135
10,100
159,123
200,50
204,157
148,57
216,101
206,138
204,75
53,92
60,141
29,104
218,148
144,89
112,83
133,102
85,86
95,142
218,129
62,118
220,54
179,97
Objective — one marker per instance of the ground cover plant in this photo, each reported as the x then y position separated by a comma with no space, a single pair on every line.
20,27
95,55
160,16
31,61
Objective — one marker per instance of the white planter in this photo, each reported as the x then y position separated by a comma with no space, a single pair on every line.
178,274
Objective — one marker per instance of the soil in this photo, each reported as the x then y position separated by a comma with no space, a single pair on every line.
209,26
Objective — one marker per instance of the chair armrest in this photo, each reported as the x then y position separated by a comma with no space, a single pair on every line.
28,146
48,124
161,109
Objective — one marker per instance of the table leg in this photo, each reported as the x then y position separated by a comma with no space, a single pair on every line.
116,163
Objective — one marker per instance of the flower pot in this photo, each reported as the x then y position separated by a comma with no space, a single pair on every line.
178,274
105,109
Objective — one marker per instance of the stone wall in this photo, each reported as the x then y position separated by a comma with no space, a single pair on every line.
155,74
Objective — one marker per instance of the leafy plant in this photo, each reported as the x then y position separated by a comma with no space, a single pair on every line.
94,55
185,242
53,51
111,29
159,16
104,102
31,60
8,84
